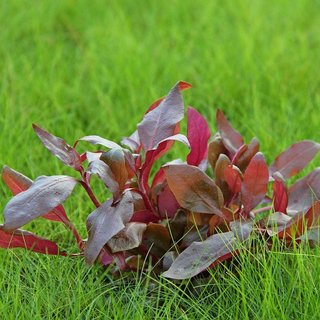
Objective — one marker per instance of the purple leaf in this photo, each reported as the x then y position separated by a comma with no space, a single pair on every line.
255,182
17,183
198,136
45,194
103,171
304,192
105,222
295,158
201,255
99,141
193,189
160,123
133,142
59,148
92,156
27,240
301,222
231,138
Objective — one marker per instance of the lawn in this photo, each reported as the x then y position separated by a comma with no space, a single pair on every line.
93,67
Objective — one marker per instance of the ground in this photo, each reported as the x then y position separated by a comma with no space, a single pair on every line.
93,67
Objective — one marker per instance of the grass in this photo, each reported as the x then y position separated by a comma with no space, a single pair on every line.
88,67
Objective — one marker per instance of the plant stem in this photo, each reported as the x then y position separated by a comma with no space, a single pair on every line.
90,193
262,209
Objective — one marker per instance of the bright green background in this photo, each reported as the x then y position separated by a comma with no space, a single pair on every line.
93,67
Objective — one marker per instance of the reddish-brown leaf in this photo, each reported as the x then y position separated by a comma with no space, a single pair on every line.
231,138
222,162
157,238
295,158
59,148
128,238
216,148
255,182
232,175
245,158
116,161
193,189
198,136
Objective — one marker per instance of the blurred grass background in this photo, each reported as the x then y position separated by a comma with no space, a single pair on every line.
93,67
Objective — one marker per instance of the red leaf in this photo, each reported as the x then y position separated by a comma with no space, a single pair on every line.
231,138
255,182
158,178
59,148
167,203
304,192
153,155
232,176
27,240
198,136
160,123
144,216
44,195
295,158
193,189
280,194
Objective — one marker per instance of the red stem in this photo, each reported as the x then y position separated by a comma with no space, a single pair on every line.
90,193
262,209
72,228
143,192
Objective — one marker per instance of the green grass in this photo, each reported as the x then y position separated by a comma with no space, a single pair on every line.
89,67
